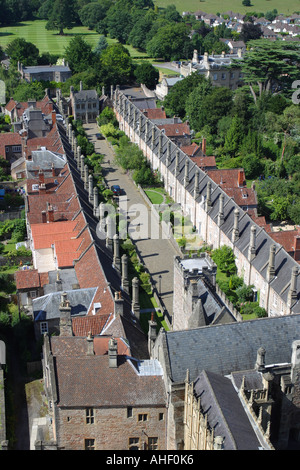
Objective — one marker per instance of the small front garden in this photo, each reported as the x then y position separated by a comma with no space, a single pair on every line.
233,286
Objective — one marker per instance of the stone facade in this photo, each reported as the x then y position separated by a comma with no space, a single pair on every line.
217,218
84,104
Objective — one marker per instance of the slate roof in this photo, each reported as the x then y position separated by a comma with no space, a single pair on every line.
283,261
225,412
46,307
229,347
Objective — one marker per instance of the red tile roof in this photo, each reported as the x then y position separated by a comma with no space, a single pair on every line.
26,279
233,182
93,324
155,113
8,139
178,129
205,162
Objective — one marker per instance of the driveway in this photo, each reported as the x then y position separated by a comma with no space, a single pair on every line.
157,253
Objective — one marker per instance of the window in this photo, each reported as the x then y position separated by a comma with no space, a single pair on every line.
129,412
152,443
215,77
143,417
33,294
16,148
223,76
275,300
134,443
44,327
161,416
89,414
89,444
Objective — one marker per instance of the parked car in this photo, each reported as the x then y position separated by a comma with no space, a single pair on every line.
116,190
100,136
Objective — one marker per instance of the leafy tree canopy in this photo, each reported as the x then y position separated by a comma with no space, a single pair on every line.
62,16
78,54
146,74
24,52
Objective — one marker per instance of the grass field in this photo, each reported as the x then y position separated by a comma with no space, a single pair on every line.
50,41
215,6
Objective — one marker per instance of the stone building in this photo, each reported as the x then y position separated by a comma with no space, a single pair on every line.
51,73
195,300
216,68
84,104
217,218
102,399
250,368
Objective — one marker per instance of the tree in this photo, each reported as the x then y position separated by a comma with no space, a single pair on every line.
92,13
225,260
171,42
146,74
272,66
19,50
175,101
234,137
116,64
62,16
78,54
101,45
250,31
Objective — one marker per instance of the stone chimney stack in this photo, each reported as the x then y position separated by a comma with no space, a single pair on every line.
110,233
186,172
235,231
65,322
208,196
119,304
221,210
116,259
41,177
50,213
292,295
196,187
91,193
252,246
124,280
295,369
152,334
82,166
168,160
153,137
177,163
86,177
135,304
58,283
90,344
260,360
95,201
113,353
271,267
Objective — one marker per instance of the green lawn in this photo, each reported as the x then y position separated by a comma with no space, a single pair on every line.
154,197
46,41
50,41
215,6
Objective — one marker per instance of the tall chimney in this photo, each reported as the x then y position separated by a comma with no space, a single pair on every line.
292,295
221,210
152,334
235,231
177,163
271,267
208,196
91,193
252,246
41,177
65,321
260,360
53,118
203,147
86,177
116,259
95,201
124,280
82,166
112,353
90,344
135,305
50,213
186,172
196,187
241,178
119,304
168,160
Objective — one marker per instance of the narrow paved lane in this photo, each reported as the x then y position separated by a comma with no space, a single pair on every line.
157,253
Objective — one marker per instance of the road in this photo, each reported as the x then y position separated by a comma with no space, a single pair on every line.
157,253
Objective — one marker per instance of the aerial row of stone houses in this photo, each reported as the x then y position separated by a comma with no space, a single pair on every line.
110,385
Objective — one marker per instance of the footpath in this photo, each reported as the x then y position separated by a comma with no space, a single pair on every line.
156,252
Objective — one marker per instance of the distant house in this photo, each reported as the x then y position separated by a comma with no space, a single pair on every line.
84,104
10,146
216,68
179,133
51,73
163,88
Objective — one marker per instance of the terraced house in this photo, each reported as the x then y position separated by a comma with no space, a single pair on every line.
218,219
